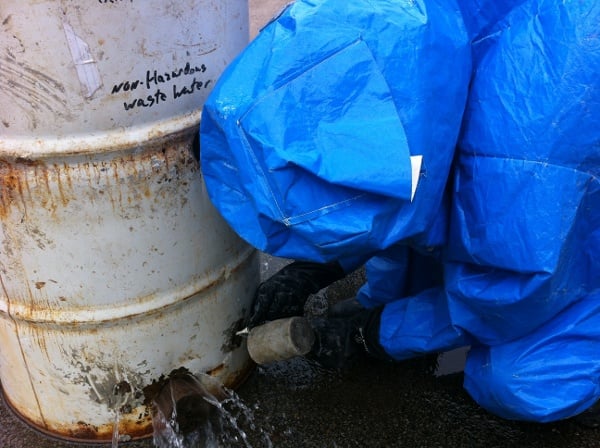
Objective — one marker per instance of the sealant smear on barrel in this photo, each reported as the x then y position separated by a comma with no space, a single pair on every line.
87,69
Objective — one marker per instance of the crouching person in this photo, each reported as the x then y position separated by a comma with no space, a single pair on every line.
460,163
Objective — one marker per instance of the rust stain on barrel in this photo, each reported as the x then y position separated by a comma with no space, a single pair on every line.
11,184
88,433
26,183
21,179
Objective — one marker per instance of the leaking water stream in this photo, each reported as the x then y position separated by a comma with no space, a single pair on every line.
197,411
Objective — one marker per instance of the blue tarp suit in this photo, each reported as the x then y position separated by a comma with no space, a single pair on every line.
456,147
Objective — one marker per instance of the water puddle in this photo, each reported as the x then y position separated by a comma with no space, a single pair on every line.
199,412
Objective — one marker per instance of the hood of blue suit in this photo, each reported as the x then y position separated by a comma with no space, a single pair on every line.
331,136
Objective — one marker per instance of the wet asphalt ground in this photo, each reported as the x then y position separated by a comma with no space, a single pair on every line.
371,404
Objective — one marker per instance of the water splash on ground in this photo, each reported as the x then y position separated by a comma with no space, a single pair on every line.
197,411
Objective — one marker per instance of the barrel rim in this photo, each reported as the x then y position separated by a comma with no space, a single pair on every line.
133,309
101,141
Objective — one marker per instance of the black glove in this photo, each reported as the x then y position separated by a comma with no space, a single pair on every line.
284,294
338,340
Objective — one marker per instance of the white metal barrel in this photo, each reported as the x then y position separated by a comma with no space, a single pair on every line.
114,267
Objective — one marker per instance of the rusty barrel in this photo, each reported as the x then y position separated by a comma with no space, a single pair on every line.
115,269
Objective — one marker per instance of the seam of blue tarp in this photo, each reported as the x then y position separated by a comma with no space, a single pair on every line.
262,179
291,220
533,161
302,71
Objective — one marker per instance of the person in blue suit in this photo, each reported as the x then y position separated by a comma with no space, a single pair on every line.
454,150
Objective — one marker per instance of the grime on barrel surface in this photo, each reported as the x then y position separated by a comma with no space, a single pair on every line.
116,268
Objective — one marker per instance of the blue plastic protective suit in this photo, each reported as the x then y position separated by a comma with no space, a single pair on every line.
308,136
308,149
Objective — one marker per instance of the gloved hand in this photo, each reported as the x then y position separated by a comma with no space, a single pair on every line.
338,340
284,294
